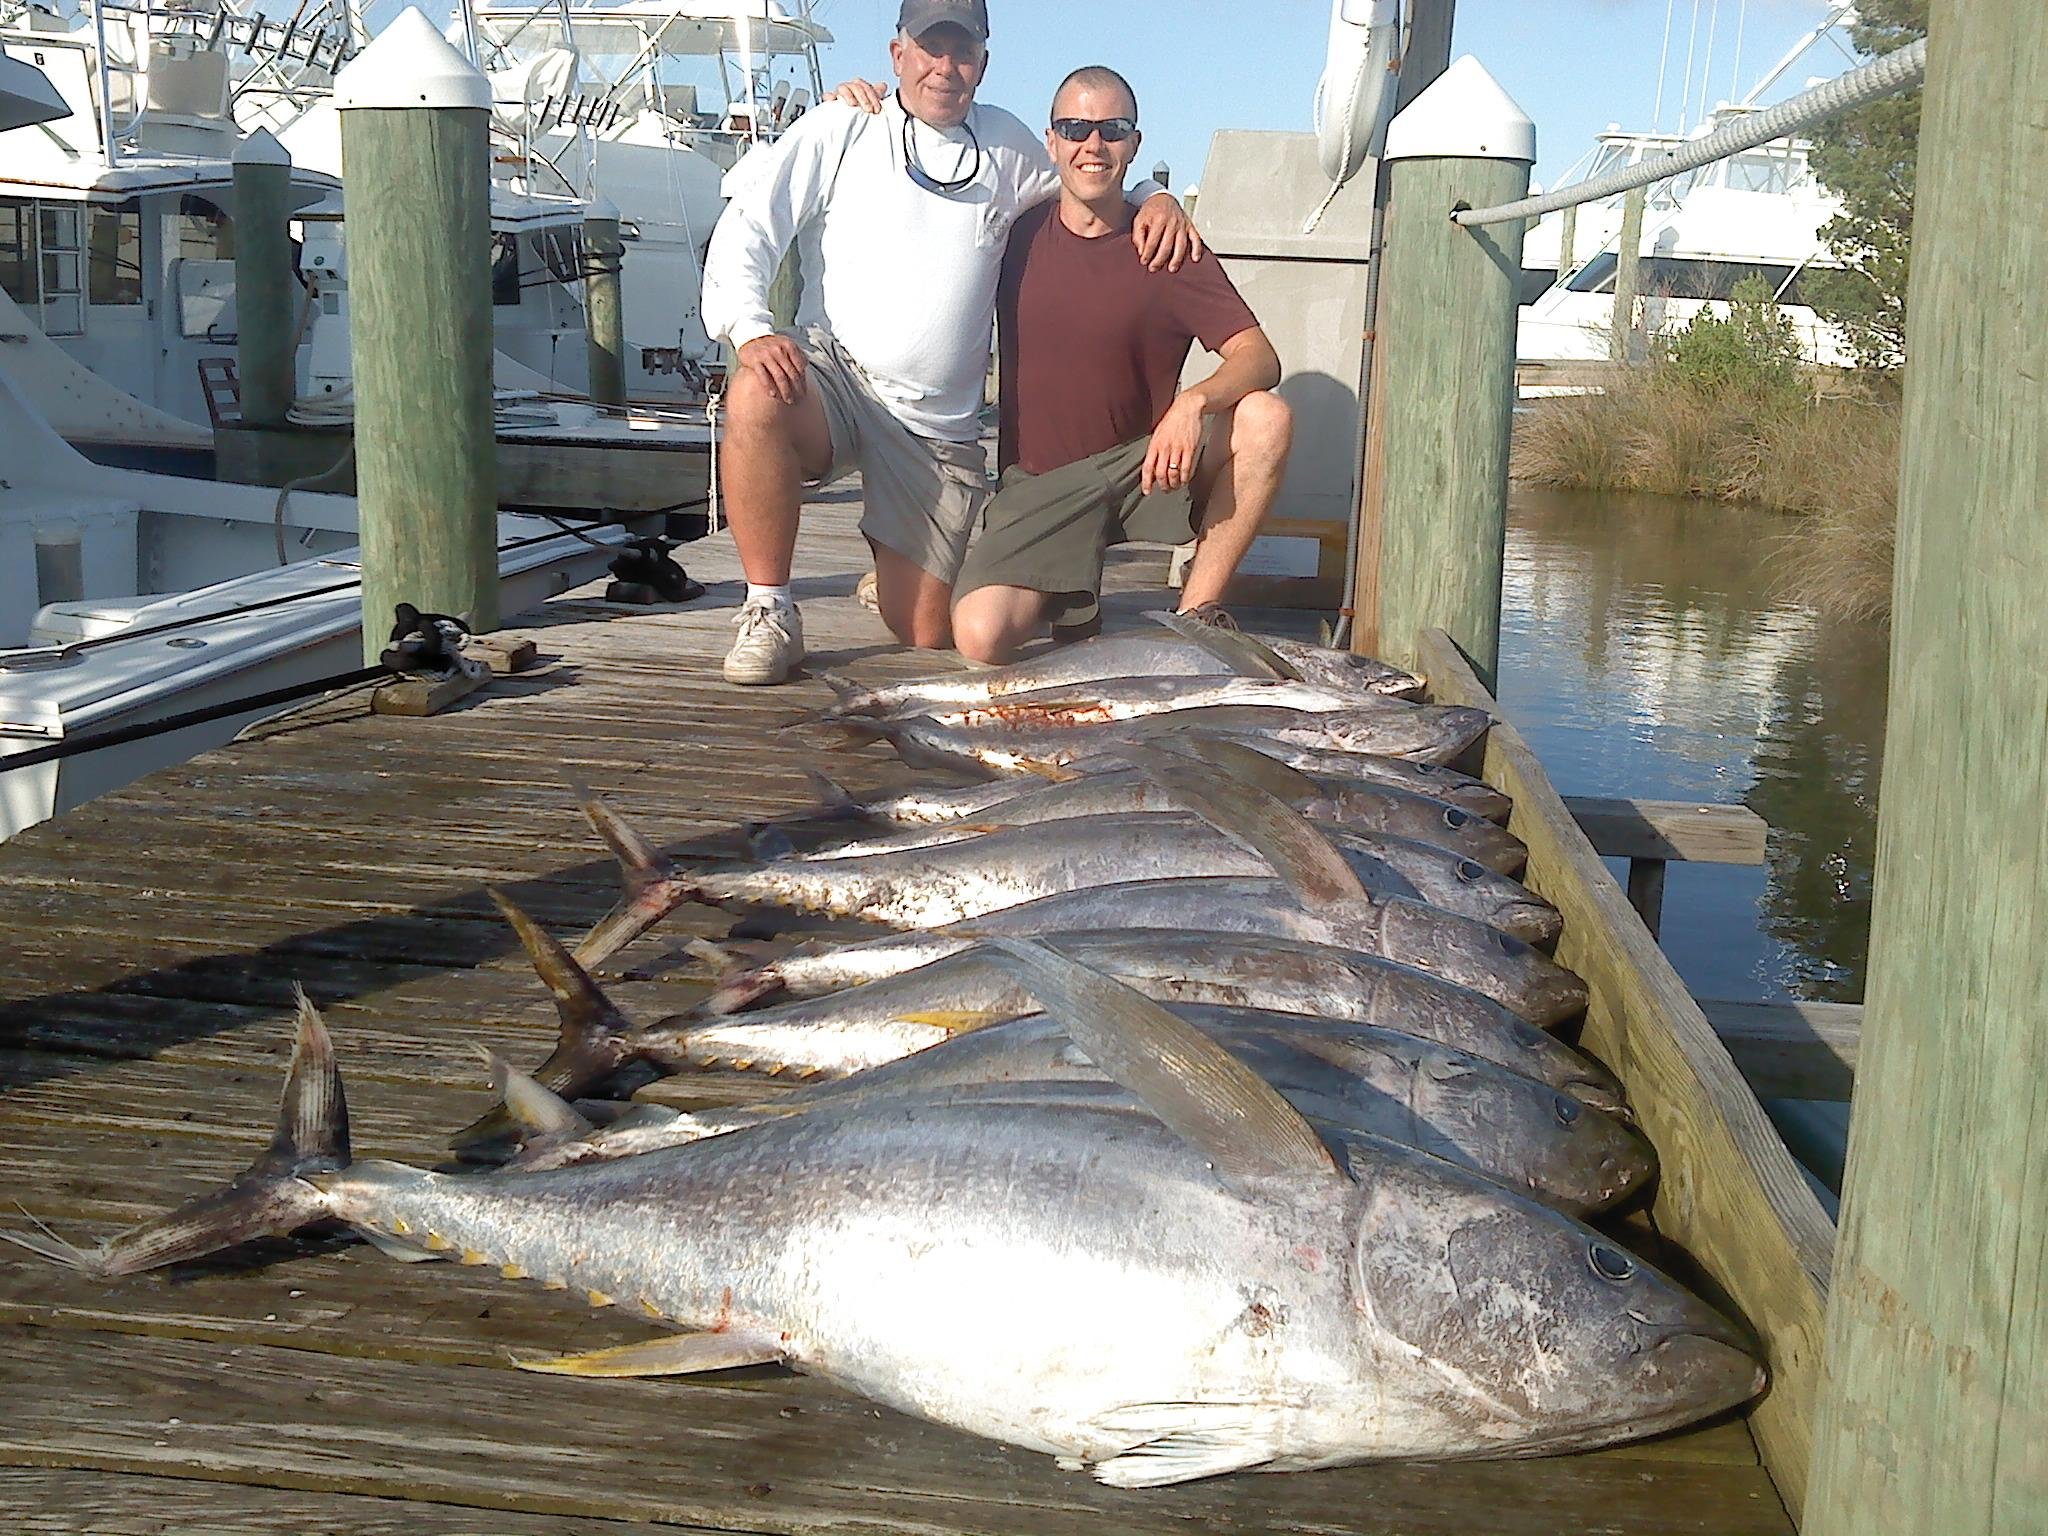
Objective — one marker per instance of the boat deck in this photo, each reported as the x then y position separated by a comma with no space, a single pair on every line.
152,940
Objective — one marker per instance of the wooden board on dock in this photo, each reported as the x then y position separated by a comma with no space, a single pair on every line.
153,938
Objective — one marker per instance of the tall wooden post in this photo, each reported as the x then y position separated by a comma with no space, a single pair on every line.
1427,49
1934,1406
604,313
1567,241
266,318
415,154
1628,276
1447,363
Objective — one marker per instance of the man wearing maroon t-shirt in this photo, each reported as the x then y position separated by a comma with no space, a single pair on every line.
1099,445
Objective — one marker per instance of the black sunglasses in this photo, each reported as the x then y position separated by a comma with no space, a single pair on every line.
1078,130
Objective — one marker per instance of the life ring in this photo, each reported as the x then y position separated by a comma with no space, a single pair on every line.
1357,84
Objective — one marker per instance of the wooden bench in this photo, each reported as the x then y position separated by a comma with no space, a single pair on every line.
1652,833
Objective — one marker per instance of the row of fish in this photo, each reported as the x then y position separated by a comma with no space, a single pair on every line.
1201,1113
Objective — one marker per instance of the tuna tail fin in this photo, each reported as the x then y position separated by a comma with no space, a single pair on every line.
767,841
834,802
853,699
746,974
596,1039
653,887
270,1199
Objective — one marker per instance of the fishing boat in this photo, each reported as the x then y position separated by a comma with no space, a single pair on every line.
117,268
1758,214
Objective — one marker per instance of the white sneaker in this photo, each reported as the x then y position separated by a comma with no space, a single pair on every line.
770,644
867,593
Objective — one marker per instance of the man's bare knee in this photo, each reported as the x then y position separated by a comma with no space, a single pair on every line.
984,637
1261,426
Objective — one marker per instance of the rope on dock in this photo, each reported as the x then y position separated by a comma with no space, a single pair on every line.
1895,72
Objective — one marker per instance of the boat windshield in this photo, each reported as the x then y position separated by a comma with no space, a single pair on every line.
1689,277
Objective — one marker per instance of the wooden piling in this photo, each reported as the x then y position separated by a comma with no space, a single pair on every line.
1567,242
1447,363
1628,277
604,312
266,293
1934,1409
416,157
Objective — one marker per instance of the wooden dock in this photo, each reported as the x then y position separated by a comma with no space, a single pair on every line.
152,940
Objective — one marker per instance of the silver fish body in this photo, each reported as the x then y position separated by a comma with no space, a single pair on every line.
1278,979
1379,1082
1079,1283
927,887
1435,874
1021,802
1147,654
1424,733
1128,698
1458,950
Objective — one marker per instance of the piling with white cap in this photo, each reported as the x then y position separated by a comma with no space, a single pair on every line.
266,294
1431,556
415,155
604,313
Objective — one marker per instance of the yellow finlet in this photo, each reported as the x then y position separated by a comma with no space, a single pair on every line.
513,1272
955,1021
436,1243
598,1298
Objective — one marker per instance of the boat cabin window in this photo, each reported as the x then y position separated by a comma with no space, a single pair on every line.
199,231
1536,282
42,264
1685,277
114,265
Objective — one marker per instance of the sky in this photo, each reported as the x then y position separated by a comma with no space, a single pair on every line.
1575,66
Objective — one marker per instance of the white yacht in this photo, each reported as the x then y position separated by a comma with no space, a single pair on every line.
650,104
117,269
1756,214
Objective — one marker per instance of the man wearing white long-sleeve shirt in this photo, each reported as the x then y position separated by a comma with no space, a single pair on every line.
901,218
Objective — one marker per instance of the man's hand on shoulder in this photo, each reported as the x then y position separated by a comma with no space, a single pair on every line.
1176,444
1165,235
780,364
862,94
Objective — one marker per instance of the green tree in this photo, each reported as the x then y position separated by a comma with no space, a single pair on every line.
1866,158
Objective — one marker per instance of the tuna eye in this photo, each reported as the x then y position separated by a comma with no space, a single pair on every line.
1611,1263
1568,1109
1469,871
1509,944
1455,818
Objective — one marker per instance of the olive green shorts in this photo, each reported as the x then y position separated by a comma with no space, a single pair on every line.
1049,533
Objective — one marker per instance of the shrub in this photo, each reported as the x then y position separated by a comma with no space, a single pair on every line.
1752,352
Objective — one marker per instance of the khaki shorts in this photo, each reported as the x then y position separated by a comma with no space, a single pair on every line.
1049,533
919,495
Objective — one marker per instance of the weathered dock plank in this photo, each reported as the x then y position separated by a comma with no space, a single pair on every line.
794,1458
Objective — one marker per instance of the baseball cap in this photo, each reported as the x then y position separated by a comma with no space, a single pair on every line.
919,16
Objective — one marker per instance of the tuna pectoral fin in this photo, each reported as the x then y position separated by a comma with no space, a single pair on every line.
686,1354
1185,1441
1253,819
833,799
1235,649
1246,763
1239,1122
269,1200
958,1021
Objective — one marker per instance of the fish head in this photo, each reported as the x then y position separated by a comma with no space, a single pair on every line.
1537,1332
1477,838
1497,963
1550,1060
1559,1148
1509,905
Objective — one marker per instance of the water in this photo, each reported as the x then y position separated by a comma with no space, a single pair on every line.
1647,650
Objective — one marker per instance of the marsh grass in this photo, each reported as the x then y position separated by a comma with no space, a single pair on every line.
1833,459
